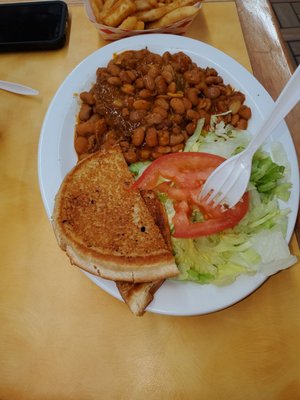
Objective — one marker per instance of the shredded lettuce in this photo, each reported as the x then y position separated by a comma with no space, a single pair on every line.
245,249
257,244
224,140
138,168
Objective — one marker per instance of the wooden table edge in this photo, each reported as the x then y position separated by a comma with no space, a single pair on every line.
258,24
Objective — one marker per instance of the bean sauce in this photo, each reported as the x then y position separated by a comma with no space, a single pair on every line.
150,104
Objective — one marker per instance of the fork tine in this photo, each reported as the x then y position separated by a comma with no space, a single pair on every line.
210,188
228,185
213,197
218,194
218,198
232,199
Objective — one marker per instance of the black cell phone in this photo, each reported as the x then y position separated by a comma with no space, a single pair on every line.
28,26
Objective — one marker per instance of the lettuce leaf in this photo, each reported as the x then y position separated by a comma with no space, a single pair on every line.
269,178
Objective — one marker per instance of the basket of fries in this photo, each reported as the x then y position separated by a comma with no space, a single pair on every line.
117,19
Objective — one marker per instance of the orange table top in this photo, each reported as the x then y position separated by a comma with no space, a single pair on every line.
61,337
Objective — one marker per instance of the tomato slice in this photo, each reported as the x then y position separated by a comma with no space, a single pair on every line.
180,168
181,176
184,228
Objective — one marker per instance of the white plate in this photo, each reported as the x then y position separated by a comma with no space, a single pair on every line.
57,156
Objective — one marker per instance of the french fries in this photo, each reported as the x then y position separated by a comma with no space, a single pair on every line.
118,12
97,7
142,14
144,5
174,16
140,26
107,5
129,22
157,13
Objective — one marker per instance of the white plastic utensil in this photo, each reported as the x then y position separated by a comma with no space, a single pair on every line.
229,181
17,88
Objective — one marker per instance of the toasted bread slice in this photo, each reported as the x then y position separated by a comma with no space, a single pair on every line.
139,295
106,228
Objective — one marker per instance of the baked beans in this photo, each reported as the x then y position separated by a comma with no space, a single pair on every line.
150,104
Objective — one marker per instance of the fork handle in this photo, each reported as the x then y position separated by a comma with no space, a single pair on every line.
287,99
17,88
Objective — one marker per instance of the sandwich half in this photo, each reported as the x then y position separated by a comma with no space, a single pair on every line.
139,295
105,227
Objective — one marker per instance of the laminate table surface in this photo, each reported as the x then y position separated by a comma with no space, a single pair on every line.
62,337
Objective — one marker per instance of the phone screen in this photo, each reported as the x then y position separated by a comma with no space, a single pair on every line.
32,22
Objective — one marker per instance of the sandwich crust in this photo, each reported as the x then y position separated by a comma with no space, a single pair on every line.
105,228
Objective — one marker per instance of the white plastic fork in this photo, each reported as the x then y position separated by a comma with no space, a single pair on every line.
229,181
18,88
